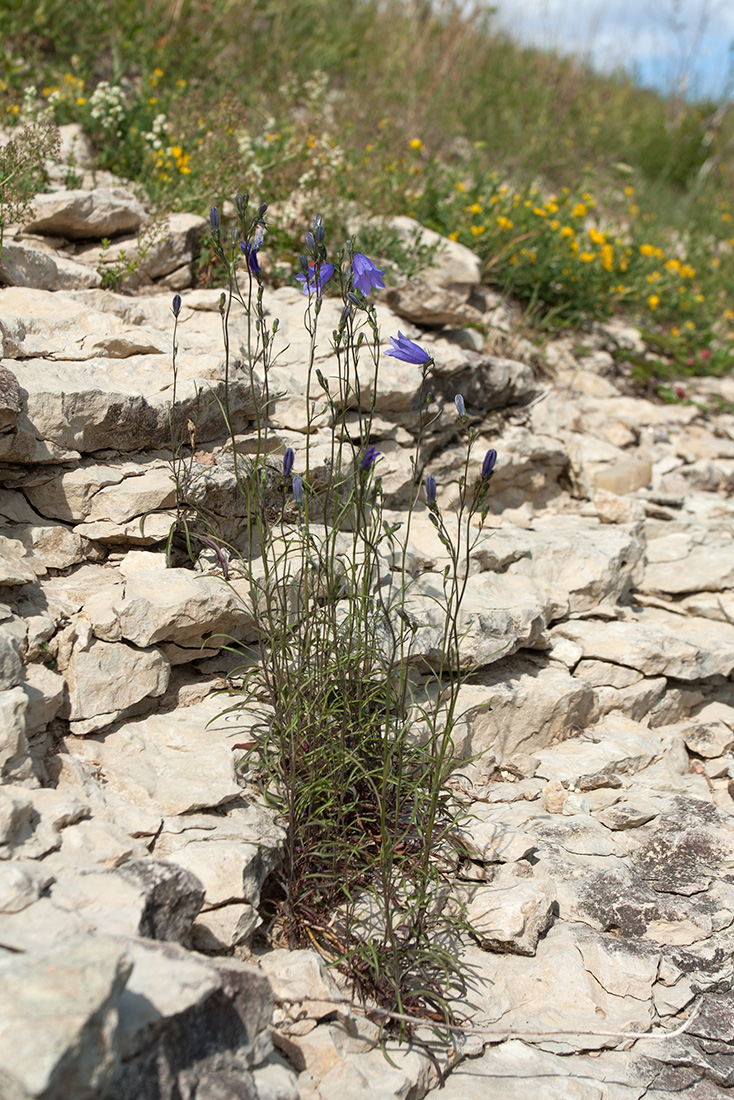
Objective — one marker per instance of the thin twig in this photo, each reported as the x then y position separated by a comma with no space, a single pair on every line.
505,1033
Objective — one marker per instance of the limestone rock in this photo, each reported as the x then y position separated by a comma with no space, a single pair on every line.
74,987
15,762
174,605
657,643
510,916
14,568
169,763
103,212
105,679
33,264
10,403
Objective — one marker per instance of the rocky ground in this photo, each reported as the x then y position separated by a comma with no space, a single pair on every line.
596,864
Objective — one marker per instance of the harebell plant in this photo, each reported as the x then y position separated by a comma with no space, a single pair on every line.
339,681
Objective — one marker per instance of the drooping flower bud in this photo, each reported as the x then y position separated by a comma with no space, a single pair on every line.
489,460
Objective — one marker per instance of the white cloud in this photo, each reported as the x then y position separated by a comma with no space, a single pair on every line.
662,39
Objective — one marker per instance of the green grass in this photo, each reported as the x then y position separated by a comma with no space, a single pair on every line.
389,107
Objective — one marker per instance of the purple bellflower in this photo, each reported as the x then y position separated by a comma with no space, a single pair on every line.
431,490
489,460
405,349
460,406
366,274
288,460
369,458
315,281
297,486
249,251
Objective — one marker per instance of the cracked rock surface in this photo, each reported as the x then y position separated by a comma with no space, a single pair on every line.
594,753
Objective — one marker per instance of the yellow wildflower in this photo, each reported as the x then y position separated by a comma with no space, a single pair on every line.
647,250
475,208
596,237
455,235
673,266
675,331
555,224
687,272
416,143
653,301
690,325
502,222
587,257
629,191
729,314
654,276
726,217
552,206
567,231
634,209
540,212
370,149
579,210
477,230
607,257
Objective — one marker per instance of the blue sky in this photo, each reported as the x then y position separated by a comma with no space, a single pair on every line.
661,40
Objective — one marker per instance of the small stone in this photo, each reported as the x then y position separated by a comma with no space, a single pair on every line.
554,797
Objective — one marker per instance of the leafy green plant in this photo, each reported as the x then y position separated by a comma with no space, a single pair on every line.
22,170
351,748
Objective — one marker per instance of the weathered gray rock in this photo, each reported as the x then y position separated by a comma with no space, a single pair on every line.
657,643
105,679
34,264
520,705
15,762
516,1070
74,988
10,403
173,605
169,763
688,562
509,916
164,247
14,568
103,212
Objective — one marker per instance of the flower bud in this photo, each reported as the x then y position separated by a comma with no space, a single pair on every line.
214,219
262,211
240,202
460,407
319,233
431,489
288,460
176,305
297,486
310,242
489,460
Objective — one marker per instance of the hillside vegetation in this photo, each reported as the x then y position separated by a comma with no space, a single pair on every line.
583,194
